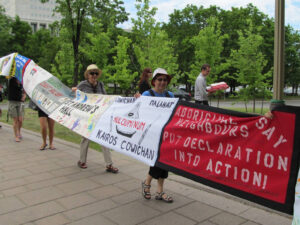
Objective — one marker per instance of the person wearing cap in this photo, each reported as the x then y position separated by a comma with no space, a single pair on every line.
160,81
200,86
92,85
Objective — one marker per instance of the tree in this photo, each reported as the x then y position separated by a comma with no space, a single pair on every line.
183,25
208,46
121,74
20,33
63,67
76,16
292,59
42,47
5,24
110,12
152,46
249,62
235,20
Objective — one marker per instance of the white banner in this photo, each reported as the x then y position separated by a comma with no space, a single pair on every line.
133,126
6,64
82,113
33,76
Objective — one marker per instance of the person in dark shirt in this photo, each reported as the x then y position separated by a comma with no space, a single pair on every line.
16,98
144,84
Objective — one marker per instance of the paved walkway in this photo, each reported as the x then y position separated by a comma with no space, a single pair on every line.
47,187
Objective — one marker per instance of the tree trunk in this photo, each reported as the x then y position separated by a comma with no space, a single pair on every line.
262,105
76,68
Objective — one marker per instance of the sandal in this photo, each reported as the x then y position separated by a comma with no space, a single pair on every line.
43,147
146,194
112,169
164,197
81,165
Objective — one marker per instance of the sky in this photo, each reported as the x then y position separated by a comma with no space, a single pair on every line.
166,7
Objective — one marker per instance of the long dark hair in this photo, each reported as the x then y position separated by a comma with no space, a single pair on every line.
144,76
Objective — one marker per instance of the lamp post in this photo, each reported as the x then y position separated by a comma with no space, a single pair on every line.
278,77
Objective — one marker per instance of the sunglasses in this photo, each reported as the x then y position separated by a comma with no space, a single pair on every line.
94,73
161,79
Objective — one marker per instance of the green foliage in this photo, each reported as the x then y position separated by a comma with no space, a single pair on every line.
98,45
42,47
182,26
120,74
76,21
20,32
208,48
110,12
5,25
64,60
151,45
250,62
292,58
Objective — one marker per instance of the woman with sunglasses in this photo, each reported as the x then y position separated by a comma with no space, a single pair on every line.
160,81
92,85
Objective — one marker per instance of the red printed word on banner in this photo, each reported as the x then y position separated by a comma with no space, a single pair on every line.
250,154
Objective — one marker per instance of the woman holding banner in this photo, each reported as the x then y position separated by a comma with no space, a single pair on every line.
160,81
92,85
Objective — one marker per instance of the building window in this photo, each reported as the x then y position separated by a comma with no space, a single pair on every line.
43,26
34,27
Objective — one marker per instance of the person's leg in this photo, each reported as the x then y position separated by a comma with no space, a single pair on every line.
16,129
146,185
20,123
107,156
51,123
43,125
108,160
21,111
84,146
148,179
160,185
161,195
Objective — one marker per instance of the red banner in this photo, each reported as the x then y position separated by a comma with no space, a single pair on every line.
245,153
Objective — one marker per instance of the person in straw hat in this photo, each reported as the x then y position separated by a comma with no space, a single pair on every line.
92,85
